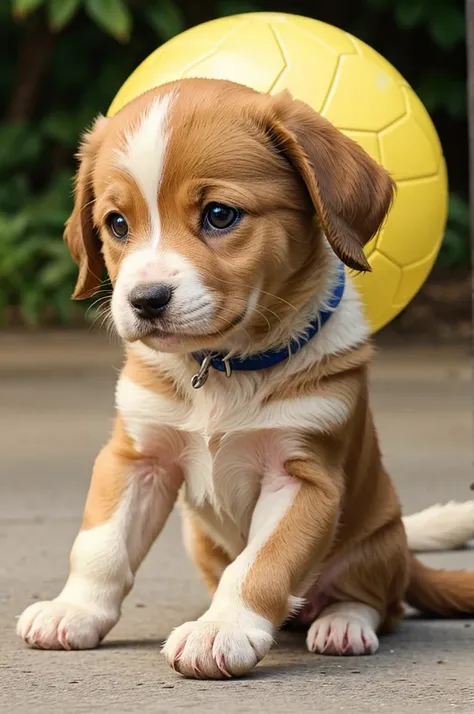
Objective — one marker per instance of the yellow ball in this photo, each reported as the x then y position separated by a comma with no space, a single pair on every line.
360,93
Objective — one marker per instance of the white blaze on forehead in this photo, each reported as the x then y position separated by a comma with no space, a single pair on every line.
143,156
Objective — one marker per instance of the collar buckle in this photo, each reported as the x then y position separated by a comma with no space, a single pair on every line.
200,378
228,366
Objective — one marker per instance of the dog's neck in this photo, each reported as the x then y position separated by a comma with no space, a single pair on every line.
345,330
301,311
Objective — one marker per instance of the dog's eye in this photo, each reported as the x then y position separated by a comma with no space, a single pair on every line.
219,217
117,225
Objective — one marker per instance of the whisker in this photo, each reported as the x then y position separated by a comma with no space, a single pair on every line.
86,205
252,287
264,317
257,309
100,300
262,307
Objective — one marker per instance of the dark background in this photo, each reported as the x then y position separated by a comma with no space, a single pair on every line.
62,61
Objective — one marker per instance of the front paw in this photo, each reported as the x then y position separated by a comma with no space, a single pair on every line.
58,625
345,633
215,650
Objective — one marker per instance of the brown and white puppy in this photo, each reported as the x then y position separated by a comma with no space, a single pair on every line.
222,216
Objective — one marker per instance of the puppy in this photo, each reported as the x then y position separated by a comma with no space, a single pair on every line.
225,219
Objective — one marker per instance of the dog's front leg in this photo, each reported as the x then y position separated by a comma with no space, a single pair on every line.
292,529
129,500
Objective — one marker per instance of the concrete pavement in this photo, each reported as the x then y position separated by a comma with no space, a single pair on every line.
56,395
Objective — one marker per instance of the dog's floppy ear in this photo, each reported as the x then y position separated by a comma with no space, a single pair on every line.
79,232
350,192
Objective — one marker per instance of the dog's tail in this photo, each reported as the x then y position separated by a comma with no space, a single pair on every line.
440,592
440,527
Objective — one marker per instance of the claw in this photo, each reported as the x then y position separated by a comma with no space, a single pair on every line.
221,664
28,630
177,656
62,638
345,640
33,638
197,672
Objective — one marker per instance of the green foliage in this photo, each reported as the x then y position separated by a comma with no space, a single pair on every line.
23,8
441,91
444,23
20,146
36,272
443,19
455,249
61,12
165,17
69,57
113,16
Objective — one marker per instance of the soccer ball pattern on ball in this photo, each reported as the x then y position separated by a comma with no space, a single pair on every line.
360,93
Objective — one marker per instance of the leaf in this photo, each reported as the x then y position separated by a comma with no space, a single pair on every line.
409,13
31,305
18,224
166,18
447,26
14,193
49,220
113,16
5,12
458,210
443,91
60,126
61,12
23,8
19,259
55,274
56,199
455,249
20,147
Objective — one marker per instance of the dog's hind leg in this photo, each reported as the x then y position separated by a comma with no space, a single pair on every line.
365,597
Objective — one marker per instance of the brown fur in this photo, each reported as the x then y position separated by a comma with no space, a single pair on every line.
440,592
145,376
342,478
350,191
295,176
302,538
251,162
108,481
210,558
79,234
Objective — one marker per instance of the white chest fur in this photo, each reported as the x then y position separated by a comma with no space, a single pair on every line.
226,437
224,440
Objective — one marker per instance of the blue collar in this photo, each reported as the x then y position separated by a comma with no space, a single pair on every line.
272,357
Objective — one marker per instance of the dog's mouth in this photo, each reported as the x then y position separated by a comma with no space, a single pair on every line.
153,334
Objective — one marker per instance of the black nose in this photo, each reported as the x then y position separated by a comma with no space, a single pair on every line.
150,301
